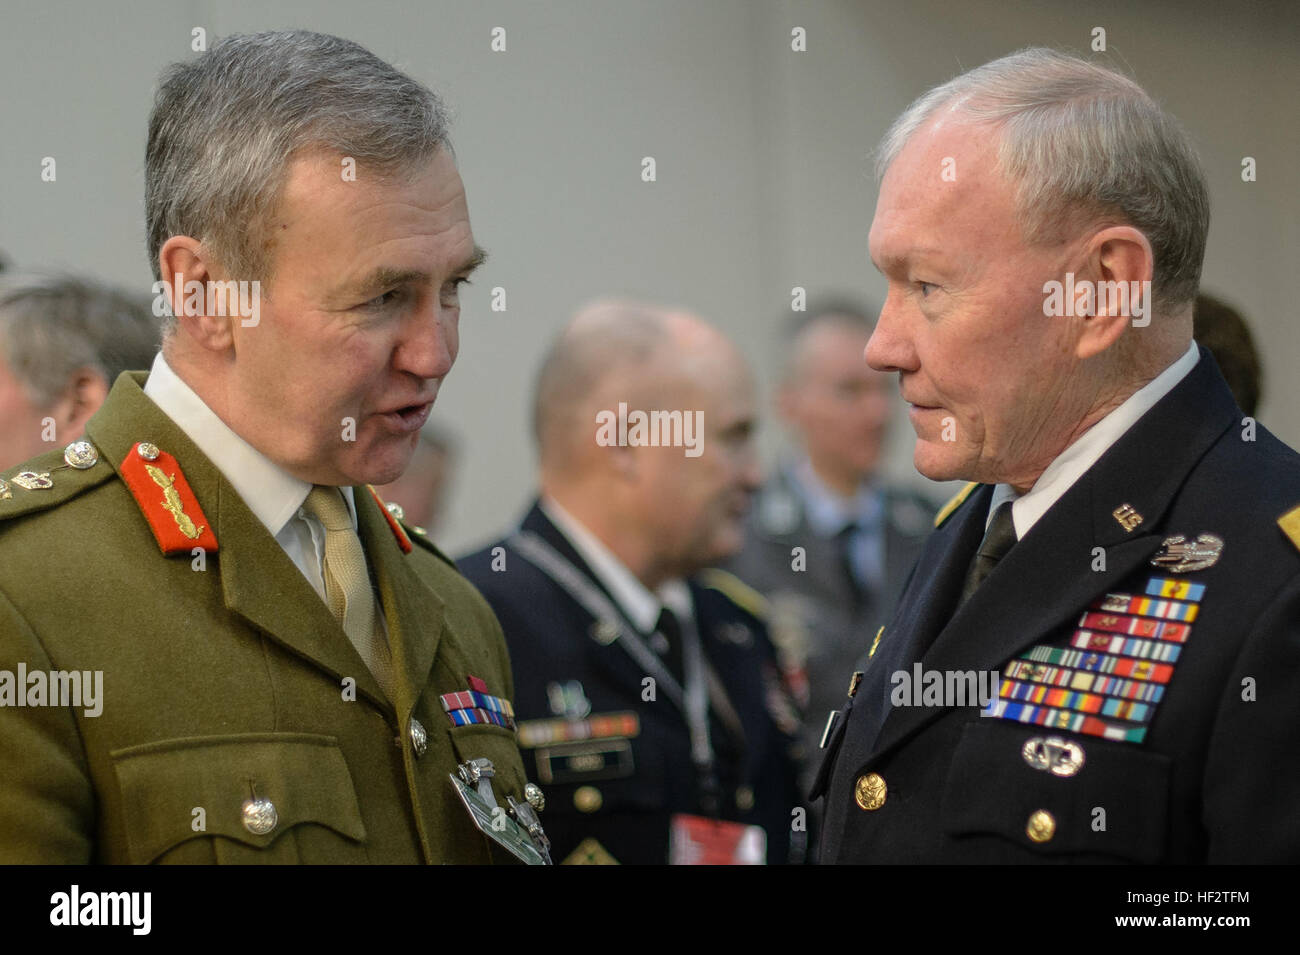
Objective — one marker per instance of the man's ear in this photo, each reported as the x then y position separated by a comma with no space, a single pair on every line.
81,397
187,268
1119,266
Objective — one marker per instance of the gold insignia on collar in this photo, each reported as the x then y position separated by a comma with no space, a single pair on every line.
5,493
172,502
1290,524
875,643
1127,516
33,480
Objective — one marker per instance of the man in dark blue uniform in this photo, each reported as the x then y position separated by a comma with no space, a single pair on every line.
1127,568
648,697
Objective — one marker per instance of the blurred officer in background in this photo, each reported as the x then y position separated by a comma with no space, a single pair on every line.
269,670
63,342
828,543
651,705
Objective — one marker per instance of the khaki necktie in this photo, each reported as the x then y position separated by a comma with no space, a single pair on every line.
347,584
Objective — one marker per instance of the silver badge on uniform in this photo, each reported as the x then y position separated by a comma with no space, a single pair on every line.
1178,556
517,828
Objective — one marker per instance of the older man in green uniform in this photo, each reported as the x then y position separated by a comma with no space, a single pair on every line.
216,645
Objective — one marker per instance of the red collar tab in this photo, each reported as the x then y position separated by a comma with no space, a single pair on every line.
166,500
403,541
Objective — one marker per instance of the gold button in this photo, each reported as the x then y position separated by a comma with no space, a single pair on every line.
870,791
1041,827
587,799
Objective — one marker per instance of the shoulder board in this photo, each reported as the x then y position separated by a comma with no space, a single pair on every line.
408,535
955,502
50,479
1290,524
736,590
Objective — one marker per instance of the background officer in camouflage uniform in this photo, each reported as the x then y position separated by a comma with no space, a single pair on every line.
275,652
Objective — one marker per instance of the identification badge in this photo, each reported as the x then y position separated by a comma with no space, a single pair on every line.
696,840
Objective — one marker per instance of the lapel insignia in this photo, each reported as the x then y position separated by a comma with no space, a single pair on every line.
33,480
1127,516
875,643
1290,524
1178,556
392,513
177,521
1109,679
854,682
5,493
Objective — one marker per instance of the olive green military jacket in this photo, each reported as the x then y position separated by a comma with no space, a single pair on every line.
225,680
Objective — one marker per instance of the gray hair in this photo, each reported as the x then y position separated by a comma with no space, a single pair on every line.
225,127
1083,144
53,326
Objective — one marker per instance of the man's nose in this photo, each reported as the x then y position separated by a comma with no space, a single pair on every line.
426,347
890,349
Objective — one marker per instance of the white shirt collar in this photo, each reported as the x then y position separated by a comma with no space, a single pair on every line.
271,493
640,604
1072,463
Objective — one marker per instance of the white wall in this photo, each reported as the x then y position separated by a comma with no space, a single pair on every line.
763,174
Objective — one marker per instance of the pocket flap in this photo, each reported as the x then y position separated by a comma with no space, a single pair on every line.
303,775
993,789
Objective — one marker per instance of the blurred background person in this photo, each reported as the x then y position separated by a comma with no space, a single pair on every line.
63,342
828,542
650,703
420,494
1222,329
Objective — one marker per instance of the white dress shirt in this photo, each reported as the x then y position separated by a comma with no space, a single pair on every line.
273,495
1072,463
641,605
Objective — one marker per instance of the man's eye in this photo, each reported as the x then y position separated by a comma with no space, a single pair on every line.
451,291
380,302
926,288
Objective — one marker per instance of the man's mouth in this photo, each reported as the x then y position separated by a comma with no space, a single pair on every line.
408,418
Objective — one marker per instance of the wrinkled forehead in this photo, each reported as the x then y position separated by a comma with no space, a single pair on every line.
945,182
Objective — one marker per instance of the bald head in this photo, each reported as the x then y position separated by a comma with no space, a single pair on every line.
665,507
620,351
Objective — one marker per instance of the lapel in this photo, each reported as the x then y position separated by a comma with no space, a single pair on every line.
414,613
259,582
1047,579
611,659
825,575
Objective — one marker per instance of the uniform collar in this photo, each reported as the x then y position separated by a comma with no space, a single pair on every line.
271,493
641,605
827,512
1074,461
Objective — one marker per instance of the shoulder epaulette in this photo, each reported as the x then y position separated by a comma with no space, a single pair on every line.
50,479
1290,524
736,590
955,502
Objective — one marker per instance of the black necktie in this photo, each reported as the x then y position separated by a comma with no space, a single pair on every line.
998,539
844,545
671,631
